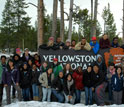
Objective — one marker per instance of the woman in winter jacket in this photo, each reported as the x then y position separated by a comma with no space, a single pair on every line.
57,87
110,72
69,89
37,60
78,78
25,81
10,77
46,80
117,86
87,80
34,77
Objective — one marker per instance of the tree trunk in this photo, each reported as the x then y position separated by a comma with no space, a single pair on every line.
70,19
91,32
62,20
40,22
54,22
95,17
123,23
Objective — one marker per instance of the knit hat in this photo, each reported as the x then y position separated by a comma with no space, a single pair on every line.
68,41
26,49
18,50
94,38
51,38
55,59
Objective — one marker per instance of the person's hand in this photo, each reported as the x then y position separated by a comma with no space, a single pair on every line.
5,85
60,47
93,89
92,47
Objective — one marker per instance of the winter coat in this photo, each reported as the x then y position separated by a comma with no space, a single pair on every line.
87,79
86,46
56,69
69,90
117,83
96,47
10,77
44,46
78,78
57,84
35,76
25,81
1,71
104,43
115,45
42,69
43,79
24,59
60,44
97,79
38,63
101,65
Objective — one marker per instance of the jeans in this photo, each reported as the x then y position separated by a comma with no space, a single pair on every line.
59,96
67,100
88,96
26,94
35,90
78,96
46,94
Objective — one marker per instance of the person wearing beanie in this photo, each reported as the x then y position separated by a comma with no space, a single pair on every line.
10,77
83,45
94,45
67,45
56,67
25,81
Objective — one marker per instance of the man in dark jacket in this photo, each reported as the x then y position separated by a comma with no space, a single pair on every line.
99,85
115,43
57,87
59,43
25,81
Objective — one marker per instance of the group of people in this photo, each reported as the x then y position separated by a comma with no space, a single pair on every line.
33,80
94,45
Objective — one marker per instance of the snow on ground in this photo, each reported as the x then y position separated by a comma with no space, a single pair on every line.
50,104
15,103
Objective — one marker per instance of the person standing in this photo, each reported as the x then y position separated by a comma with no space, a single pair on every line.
2,65
117,86
10,77
46,79
87,80
78,78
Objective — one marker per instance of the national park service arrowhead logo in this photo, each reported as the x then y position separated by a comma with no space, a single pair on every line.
114,55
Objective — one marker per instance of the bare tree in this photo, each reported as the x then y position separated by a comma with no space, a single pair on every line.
95,17
62,20
54,21
40,22
123,22
70,19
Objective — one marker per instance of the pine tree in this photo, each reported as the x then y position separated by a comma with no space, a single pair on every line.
109,25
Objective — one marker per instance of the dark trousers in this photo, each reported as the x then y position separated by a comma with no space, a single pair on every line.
26,94
13,92
78,96
123,97
1,93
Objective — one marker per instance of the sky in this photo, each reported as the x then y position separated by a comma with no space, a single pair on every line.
116,7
